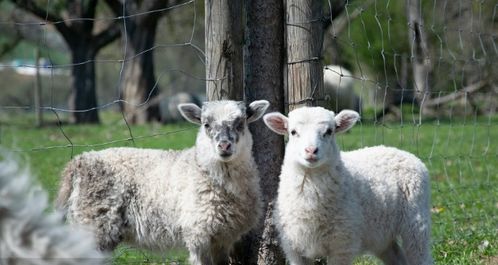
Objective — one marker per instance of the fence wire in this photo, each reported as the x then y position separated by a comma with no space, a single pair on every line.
452,126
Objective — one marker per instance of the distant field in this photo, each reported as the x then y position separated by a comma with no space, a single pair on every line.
462,156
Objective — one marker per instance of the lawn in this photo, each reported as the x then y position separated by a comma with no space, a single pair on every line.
461,155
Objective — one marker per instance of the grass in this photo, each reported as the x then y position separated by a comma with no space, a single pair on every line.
461,155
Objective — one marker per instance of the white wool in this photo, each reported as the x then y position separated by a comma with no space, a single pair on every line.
30,236
340,205
161,199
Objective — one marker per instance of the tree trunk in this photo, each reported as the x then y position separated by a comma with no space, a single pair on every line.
83,44
83,99
304,35
264,63
224,54
139,85
421,65
38,91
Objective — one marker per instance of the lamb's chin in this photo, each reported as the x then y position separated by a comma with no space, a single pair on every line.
226,159
310,164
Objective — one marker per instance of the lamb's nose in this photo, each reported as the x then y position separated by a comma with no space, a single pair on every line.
224,145
311,150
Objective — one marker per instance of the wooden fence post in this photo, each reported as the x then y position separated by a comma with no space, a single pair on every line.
304,36
224,49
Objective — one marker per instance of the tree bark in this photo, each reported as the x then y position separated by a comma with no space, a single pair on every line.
140,86
264,64
304,36
224,49
83,98
420,58
139,81
38,91
83,44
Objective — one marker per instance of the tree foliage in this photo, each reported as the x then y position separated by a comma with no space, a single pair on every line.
377,38
75,21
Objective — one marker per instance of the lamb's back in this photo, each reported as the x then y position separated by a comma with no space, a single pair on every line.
382,167
135,180
135,162
388,183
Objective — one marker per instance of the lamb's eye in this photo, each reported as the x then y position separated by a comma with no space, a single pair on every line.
206,125
293,132
328,132
240,126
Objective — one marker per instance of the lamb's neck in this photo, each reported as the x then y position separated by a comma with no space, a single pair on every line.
221,172
331,170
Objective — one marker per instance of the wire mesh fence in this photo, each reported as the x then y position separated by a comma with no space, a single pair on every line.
448,119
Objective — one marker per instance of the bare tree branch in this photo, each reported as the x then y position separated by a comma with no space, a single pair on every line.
37,11
152,5
108,35
7,47
146,8
340,22
91,7
453,96
47,38
44,15
335,9
116,6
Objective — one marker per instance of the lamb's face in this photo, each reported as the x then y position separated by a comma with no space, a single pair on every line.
224,125
311,133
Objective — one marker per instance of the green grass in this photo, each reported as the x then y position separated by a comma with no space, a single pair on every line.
461,155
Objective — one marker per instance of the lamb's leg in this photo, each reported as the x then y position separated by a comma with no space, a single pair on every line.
107,228
295,258
104,218
200,256
416,241
221,259
220,255
393,255
98,201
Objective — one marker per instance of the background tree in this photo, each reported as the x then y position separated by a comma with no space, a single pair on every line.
456,56
464,67
47,39
420,56
140,20
339,15
334,15
74,20
264,63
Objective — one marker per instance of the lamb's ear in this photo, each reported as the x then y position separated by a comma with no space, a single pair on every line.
256,109
190,112
345,120
277,122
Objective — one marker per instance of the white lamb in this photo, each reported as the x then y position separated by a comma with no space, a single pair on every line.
340,205
28,235
204,197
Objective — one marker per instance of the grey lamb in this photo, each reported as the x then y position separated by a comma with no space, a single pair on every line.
204,197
